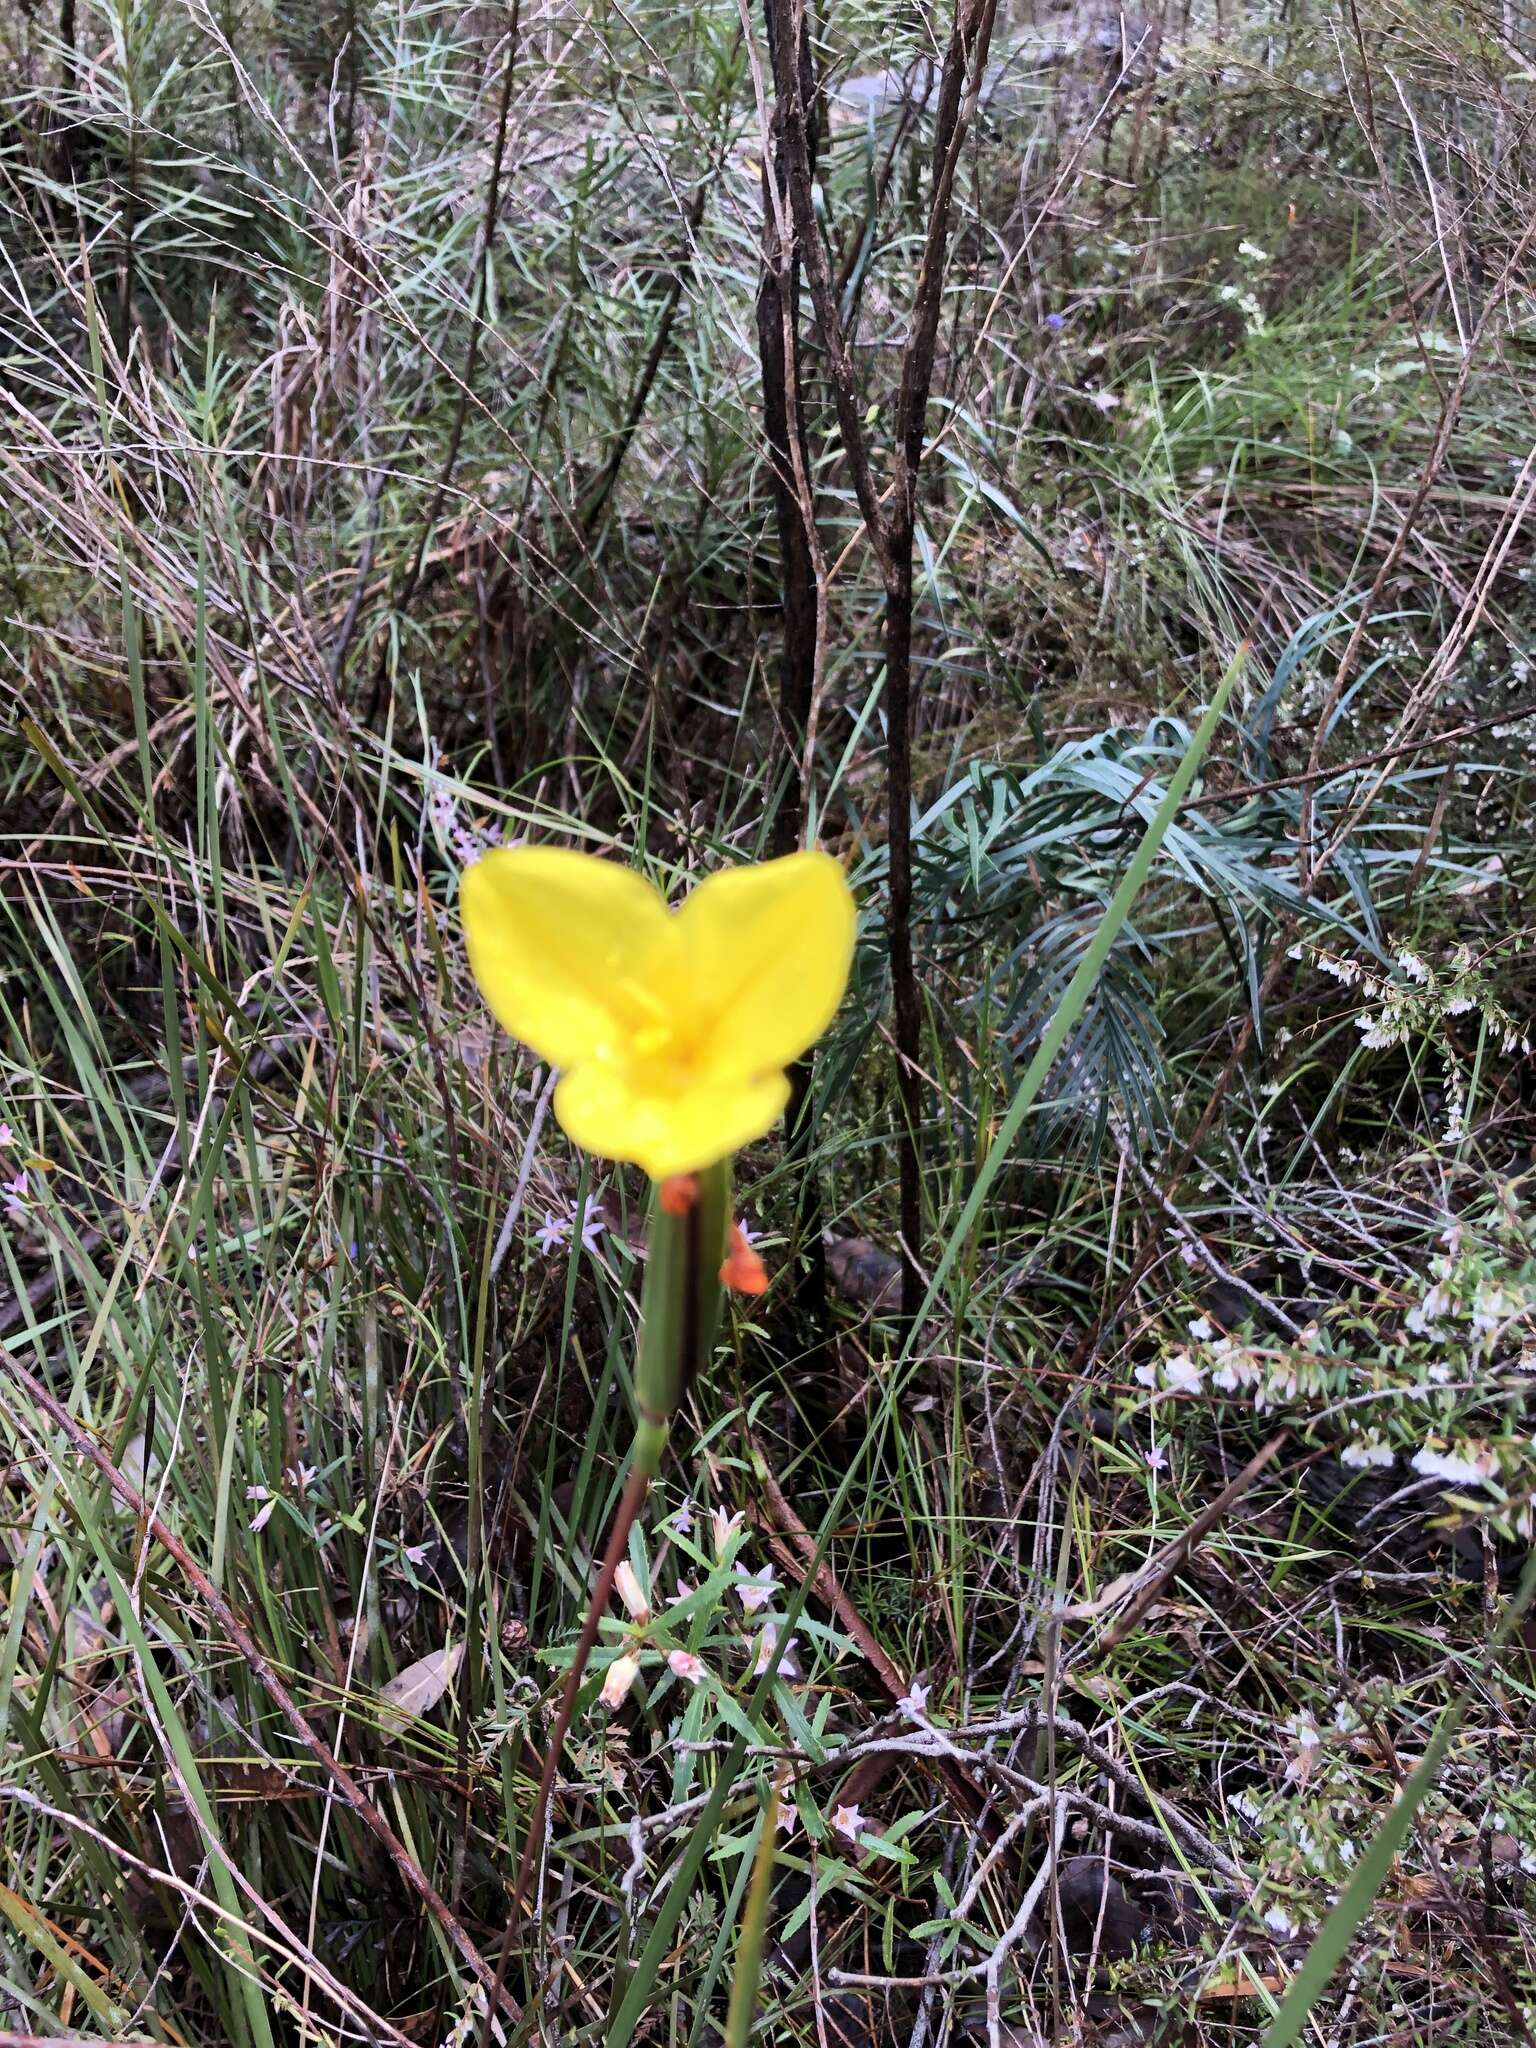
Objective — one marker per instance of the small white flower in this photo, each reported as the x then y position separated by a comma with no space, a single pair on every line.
619,1677
1278,1921
626,1583
7,1136
263,1514
1146,1375
1182,1375
848,1822
1413,966
789,1818
915,1704
1454,1467
593,1223
1201,1329
755,1589
725,1528
1366,1450
683,1664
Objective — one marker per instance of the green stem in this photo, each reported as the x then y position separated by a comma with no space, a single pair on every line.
754,1928
679,1316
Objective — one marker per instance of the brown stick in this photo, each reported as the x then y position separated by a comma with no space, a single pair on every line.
1143,1587
797,1551
635,1489
265,1676
891,535
778,346
636,1486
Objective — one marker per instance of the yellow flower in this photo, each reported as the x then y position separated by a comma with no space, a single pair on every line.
672,1029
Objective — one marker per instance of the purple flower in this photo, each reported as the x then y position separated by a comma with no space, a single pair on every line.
7,1135
15,1192
755,1589
592,1223
787,1664
552,1233
1056,320
915,1705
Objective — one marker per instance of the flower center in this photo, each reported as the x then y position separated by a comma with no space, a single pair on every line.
660,1059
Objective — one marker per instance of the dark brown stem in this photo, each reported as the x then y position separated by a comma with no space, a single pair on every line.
634,413
898,918
785,27
635,1489
890,533
778,337
964,62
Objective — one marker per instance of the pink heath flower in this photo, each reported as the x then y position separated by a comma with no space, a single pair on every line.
848,1822
626,1583
619,1677
683,1664
915,1705
725,1528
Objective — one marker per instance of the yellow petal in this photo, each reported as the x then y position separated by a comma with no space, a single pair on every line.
564,946
768,950
600,1110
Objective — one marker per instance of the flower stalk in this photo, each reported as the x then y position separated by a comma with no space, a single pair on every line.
680,1305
